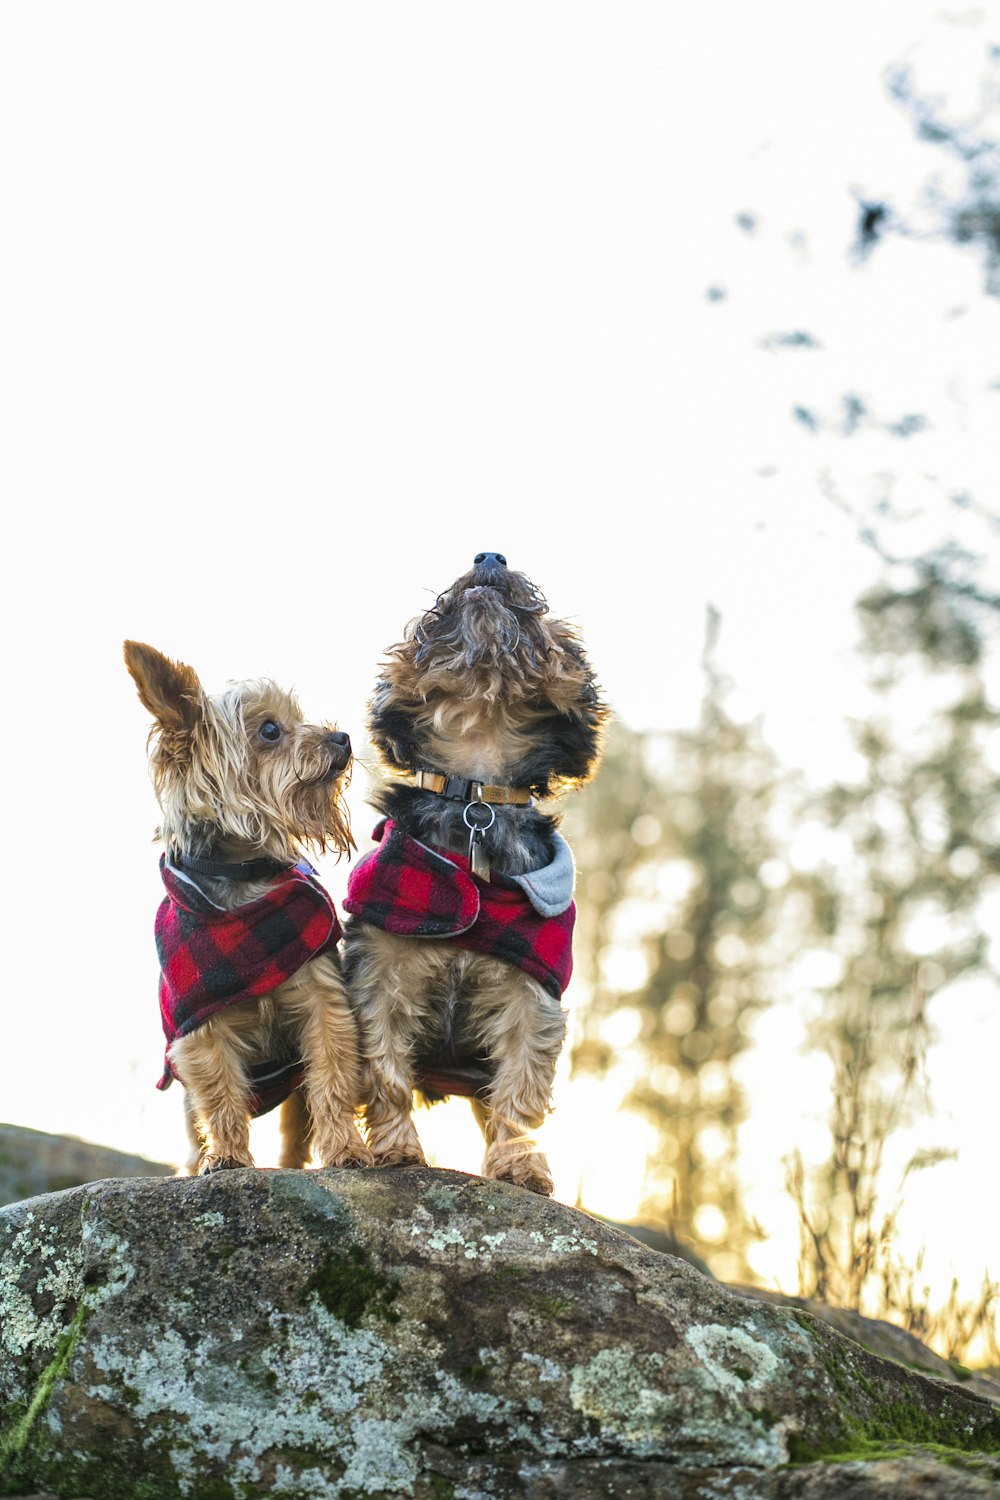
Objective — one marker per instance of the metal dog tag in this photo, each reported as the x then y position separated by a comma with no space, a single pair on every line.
479,860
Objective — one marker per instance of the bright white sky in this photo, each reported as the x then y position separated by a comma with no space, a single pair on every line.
302,306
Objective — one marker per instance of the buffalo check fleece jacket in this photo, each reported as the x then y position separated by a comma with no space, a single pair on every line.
415,890
211,958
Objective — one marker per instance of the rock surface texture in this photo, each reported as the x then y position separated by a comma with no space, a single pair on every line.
429,1335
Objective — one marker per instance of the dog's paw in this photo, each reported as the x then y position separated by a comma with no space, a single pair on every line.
221,1164
400,1156
351,1154
529,1171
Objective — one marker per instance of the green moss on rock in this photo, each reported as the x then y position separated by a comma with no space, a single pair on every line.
349,1286
520,1286
897,1427
14,1439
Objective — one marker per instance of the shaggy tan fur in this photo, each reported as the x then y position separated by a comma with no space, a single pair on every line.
242,776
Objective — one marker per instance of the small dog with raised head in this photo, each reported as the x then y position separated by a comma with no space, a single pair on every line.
251,995
459,944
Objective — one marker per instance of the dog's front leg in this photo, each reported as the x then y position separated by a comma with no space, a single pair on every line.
392,1135
210,1061
523,1028
328,1032
387,989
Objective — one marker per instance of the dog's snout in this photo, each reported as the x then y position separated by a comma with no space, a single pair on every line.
489,560
338,737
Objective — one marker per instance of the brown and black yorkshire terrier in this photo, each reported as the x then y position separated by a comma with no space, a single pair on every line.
252,1000
458,947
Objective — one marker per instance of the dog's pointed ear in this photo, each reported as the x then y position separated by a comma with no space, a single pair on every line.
169,689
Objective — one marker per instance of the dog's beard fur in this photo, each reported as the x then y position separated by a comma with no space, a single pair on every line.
494,629
221,788
485,684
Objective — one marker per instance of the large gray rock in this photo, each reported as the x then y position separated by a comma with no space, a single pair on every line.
427,1334
33,1162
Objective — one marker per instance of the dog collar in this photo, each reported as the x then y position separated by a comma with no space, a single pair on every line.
458,789
251,869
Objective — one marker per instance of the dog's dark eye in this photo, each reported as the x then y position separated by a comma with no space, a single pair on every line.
270,731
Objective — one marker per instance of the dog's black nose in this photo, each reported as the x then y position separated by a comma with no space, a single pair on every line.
338,747
489,560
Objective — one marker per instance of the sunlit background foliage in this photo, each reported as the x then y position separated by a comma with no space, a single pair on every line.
716,882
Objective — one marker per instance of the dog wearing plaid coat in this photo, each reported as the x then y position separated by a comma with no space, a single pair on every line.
251,995
457,948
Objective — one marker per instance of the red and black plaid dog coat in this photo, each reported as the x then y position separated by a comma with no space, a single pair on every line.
211,958
411,889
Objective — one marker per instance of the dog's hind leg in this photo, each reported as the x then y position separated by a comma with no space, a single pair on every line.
195,1135
523,1029
296,1131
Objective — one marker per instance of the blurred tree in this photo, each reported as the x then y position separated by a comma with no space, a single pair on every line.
687,925
675,922
949,86
919,823
919,827
962,201
693,914
611,861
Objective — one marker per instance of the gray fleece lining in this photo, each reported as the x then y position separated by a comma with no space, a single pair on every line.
550,889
